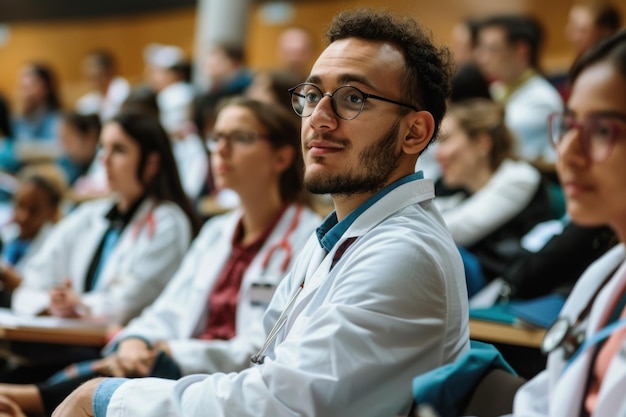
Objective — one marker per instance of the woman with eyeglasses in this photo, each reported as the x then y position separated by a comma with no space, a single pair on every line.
586,371
502,197
110,258
209,318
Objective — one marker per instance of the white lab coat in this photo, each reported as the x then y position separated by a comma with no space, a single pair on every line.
394,306
146,256
555,393
180,313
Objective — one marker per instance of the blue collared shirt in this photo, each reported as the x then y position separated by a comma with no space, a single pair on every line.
328,234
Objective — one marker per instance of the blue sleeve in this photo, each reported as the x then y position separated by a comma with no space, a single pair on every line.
103,394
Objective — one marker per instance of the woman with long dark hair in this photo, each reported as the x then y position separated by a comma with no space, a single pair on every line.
111,258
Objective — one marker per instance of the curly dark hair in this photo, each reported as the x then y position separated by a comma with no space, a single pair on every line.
428,67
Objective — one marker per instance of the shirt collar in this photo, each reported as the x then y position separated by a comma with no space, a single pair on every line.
331,230
119,220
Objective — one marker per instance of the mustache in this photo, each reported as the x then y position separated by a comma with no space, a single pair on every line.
327,137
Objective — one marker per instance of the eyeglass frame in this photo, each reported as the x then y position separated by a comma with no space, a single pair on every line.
583,134
366,96
211,141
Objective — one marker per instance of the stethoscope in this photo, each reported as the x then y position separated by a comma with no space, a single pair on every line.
147,222
259,357
571,337
284,244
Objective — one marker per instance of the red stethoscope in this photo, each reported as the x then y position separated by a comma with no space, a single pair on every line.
284,244
148,222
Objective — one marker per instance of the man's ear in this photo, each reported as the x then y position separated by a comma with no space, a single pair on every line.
153,163
421,128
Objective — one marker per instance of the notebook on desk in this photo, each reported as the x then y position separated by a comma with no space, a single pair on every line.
539,312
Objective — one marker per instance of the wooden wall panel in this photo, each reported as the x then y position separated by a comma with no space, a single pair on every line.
63,44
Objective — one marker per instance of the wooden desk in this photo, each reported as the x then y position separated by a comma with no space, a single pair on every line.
96,337
504,333
52,330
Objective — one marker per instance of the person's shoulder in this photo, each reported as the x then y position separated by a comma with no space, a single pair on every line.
94,206
167,210
540,87
518,170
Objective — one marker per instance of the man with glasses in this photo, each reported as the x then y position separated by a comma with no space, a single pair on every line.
508,53
378,295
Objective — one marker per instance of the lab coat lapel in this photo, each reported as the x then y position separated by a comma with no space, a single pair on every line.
134,234
208,270
87,249
611,395
572,383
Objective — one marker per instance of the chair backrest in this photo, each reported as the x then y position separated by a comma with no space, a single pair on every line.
493,395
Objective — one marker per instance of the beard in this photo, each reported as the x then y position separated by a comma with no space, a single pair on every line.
376,163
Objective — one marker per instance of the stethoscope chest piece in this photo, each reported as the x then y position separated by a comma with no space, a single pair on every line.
563,335
555,335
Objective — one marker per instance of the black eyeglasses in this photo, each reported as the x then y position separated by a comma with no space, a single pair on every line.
347,101
596,133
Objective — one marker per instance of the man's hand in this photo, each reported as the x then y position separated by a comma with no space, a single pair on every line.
79,402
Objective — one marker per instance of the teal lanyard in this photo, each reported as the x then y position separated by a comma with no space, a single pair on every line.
605,332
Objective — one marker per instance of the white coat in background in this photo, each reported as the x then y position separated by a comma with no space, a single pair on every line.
180,313
192,162
147,254
556,392
394,306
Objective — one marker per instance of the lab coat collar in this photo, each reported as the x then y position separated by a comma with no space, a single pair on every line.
331,231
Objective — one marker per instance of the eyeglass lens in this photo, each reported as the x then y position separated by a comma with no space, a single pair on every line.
596,134
347,101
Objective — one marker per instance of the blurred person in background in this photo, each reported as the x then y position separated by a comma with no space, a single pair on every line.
271,87
39,103
502,198
108,90
590,21
508,53
169,75
36,207
295,50
79,135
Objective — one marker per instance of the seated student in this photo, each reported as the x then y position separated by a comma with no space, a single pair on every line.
111,258
586,366
504,197
556,264
78,135
590,138
377,294
209,318
108,90
271,87
36,207
39,103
